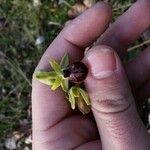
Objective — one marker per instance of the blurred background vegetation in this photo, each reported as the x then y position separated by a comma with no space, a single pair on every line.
27,27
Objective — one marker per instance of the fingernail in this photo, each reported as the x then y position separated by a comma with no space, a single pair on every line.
102,62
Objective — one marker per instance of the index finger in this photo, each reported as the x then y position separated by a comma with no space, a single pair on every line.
50,107
128,27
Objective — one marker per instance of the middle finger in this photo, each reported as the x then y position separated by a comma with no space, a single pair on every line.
128,27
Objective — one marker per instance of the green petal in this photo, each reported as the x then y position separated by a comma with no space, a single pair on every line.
75,91
64,61
71,98
46,77
65,84
84,96
56,83
55,66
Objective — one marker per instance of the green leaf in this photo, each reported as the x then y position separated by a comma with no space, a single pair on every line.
84,96
55,66
71,98
47,78
64,61
65,84
56,83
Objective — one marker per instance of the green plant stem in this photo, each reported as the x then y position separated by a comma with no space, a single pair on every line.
15,67
67,4
139,45
122,7
55,24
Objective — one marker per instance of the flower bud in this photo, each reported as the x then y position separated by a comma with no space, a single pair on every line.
82,106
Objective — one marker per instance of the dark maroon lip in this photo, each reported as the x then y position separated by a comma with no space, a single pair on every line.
77,72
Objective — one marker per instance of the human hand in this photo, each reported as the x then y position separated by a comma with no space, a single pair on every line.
118,126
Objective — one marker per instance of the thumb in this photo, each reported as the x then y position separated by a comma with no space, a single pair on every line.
112,102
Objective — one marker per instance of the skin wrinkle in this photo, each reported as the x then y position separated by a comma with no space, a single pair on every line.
105,114
73,44
51,126
86,141
78,135
121,101
80,147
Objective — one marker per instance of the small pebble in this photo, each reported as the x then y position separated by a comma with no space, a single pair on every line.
39,40
10,143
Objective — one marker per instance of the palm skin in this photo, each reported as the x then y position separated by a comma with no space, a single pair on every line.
55,125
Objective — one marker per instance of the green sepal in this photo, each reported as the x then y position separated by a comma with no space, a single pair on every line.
47,78
65,84
71,98
64,61
56,83
55,66
84,95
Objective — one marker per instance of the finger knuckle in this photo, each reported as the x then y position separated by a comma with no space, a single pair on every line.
111,105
